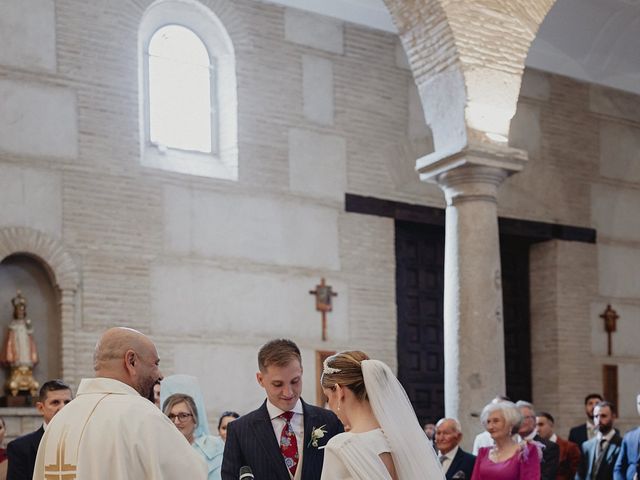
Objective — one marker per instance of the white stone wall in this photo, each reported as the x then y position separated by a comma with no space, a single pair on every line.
213,268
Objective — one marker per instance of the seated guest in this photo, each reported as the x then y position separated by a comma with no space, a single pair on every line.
569,451
586,431
599,454
527,431
453,459
225,419
182,402
506,459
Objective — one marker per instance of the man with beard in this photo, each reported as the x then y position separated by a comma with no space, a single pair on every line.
586,431
111,430
599,454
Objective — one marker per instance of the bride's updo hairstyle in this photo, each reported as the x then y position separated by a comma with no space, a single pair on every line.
344,369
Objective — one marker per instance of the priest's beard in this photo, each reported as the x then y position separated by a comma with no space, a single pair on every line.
150,395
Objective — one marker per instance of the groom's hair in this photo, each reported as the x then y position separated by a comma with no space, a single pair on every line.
279,352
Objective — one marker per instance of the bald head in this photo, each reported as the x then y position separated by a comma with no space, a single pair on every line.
129,356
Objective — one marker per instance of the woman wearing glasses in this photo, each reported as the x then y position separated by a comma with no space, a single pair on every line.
185,409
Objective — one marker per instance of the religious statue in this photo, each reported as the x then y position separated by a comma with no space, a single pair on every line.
19,351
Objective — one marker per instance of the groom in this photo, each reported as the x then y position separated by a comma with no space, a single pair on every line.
281,439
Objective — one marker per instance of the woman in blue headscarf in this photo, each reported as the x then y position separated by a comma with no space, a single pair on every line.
182,402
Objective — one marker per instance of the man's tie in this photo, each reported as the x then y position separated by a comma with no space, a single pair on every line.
443,458
289,444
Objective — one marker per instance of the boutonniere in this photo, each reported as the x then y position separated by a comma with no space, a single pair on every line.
316,434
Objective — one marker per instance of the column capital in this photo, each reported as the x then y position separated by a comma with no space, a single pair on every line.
472,173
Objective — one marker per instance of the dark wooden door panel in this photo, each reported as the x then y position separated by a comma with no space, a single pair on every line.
419,297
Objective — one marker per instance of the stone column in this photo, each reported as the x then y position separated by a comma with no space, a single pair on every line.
473,323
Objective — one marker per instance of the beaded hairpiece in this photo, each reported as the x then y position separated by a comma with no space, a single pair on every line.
327,370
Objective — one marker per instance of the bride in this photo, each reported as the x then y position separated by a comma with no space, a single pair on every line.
384,441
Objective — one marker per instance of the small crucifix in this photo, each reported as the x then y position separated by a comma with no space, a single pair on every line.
323,293
609,316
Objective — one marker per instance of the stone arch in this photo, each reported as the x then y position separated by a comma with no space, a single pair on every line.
64,275
468,59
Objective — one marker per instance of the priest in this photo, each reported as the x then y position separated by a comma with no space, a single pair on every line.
111,430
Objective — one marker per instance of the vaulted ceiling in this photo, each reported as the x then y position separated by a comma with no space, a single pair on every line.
596,41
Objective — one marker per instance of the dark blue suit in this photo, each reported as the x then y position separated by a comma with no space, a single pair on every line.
578,435
589,453
462,462
627,464
21,453
252,442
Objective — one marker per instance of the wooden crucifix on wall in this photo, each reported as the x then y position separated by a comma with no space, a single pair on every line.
323,293
609,316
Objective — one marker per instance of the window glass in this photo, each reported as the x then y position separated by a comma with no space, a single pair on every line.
180,79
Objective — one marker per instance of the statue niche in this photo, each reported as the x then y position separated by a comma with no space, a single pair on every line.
19,353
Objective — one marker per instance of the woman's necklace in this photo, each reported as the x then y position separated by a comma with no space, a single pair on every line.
497,454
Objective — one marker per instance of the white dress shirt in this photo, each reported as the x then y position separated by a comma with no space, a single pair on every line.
450,456
297,423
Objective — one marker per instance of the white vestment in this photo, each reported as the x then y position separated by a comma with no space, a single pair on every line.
110,432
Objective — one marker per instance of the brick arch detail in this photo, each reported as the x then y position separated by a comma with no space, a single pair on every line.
467,59
64,275
45,248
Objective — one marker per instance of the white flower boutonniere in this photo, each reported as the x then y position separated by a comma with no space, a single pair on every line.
316,434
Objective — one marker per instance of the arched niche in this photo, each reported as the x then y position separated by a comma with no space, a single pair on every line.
39,265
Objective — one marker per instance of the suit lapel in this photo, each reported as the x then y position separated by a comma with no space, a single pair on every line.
263,430
310,457
455,463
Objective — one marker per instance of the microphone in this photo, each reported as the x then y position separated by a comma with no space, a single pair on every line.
246,473
459,476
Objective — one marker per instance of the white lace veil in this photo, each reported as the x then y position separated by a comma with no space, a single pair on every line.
411,450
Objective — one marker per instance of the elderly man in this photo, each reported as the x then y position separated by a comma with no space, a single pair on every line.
569,451
111,430
456,463
550,453
626,467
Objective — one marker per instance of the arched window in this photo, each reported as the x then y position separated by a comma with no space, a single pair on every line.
180,102
188,100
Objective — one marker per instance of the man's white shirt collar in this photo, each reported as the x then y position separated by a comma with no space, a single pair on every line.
554,438
275,412
450,456
607,437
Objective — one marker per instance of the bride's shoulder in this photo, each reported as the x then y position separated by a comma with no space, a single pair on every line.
347,439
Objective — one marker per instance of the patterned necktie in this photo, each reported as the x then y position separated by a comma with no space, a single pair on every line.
443,458
289,444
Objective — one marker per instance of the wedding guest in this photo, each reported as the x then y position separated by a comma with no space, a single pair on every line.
3,451
599,454
22,452
528,433
183,403
225,419
454,460
506,459
569,452
586,431
430,430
